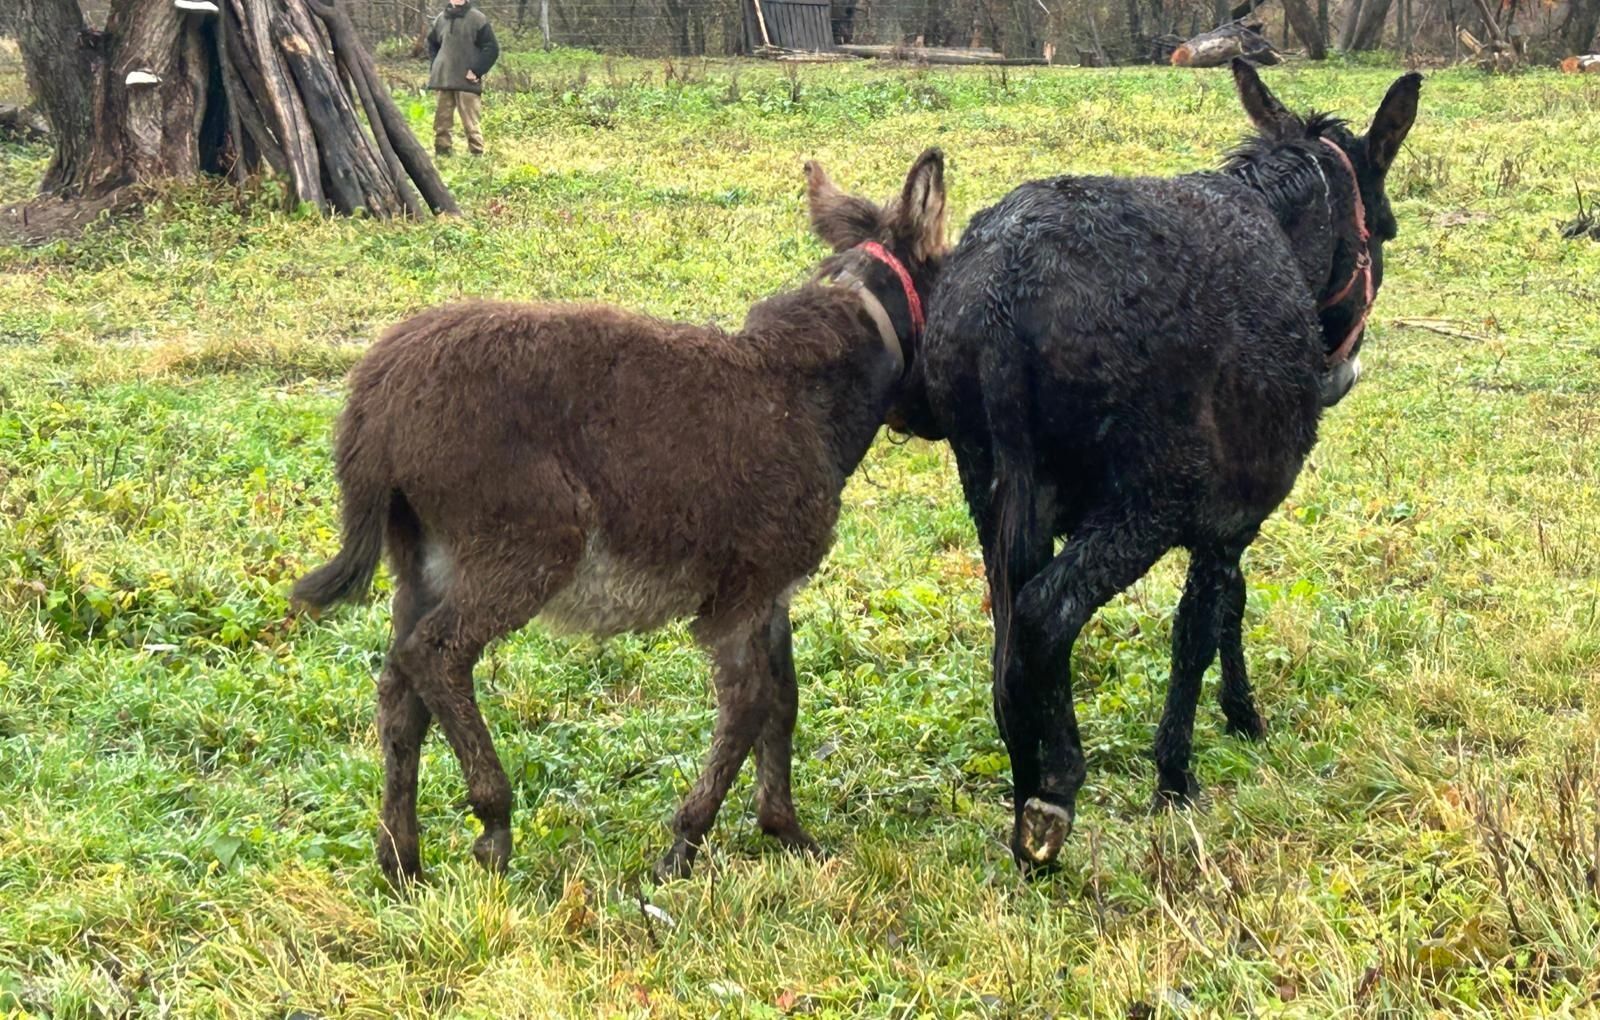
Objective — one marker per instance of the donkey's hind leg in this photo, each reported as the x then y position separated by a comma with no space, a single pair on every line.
744,700
402,717
1238,704
494,590
402,724
1108,552
1194,645
775,747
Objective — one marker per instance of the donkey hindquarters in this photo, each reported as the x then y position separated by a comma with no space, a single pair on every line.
1140,365
607,472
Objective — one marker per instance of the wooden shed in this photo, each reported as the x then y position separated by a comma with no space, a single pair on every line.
790,25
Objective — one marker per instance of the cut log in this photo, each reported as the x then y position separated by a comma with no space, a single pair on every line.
1588,63
1220,45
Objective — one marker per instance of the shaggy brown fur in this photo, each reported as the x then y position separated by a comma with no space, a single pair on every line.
607,472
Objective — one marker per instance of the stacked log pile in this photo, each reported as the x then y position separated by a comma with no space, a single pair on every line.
297,81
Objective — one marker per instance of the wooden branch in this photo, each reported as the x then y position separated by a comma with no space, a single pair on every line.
1444,327
249,129
1490,24
397,130
391,161
280,102
350,170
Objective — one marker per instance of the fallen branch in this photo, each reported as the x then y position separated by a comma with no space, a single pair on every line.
1585,224
1444,327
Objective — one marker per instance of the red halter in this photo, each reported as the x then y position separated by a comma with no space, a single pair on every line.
1362,271
879,252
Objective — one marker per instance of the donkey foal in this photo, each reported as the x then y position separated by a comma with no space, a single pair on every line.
607,472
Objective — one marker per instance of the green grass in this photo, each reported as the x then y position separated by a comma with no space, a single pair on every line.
188,774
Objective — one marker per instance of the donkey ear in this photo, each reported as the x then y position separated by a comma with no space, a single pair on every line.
1392,122
1266,113
920,213
841,220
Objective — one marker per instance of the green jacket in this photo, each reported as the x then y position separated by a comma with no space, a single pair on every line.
461,40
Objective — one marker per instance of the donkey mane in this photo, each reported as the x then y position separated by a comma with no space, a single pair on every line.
1284,170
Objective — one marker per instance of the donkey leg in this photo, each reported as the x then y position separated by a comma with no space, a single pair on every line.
744,700
439,657
500,588
1194,645
403,719
1014,694
1238,704
1017,545
775,747
402,724
1100,560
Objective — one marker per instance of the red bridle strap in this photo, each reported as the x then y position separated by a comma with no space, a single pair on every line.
1363,269
879,252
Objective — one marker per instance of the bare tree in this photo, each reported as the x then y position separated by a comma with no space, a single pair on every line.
1363,25
1311,32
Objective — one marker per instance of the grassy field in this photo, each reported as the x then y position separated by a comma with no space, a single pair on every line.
188,774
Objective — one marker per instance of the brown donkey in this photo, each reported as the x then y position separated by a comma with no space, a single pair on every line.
607,472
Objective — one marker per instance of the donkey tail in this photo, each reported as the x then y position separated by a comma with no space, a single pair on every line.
1013,510
367,495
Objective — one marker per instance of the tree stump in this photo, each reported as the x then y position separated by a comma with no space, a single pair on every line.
176,88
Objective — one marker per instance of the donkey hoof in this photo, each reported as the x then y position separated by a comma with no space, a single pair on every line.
493,850
1248,728
400,859
794,839
1173,796
401,870
1042,830
675,863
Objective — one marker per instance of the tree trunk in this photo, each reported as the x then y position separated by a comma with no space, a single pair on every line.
1363,28
1583,22
166,92
1352,17
58,58
1304,21
1137,43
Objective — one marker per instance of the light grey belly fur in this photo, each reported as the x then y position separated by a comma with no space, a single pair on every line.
610,595
607,595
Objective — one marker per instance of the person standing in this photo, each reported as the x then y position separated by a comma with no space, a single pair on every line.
463,48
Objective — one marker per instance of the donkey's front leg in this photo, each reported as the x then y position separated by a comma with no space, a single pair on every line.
775,748
744,698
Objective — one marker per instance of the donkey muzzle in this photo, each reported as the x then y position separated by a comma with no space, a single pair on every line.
1338,380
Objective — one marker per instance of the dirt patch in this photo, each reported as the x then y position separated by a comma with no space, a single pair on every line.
46,218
